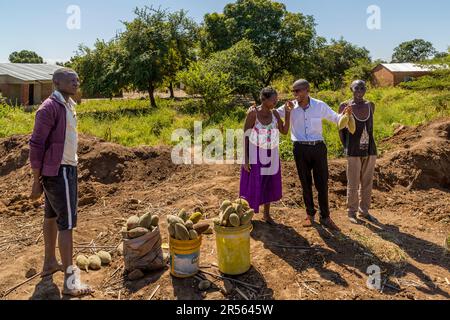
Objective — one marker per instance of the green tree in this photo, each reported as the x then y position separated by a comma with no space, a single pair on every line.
413,51
282,39
362,70
146,43
25,56
214,28
212,85
335,59
100,69
184,36
441,55
235,71
246,71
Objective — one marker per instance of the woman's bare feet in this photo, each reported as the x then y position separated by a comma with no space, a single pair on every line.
268,219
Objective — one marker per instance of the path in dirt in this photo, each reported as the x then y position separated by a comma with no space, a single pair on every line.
411,202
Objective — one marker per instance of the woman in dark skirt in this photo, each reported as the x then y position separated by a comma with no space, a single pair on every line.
261,173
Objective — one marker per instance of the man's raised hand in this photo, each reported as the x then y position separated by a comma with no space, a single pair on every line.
289,106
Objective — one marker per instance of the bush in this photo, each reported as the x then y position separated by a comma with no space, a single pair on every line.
212,85
235,71
440,80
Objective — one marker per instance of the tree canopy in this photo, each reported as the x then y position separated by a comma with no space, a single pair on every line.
25,56
417,50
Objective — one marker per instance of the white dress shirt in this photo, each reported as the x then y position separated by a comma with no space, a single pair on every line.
306,125
70,156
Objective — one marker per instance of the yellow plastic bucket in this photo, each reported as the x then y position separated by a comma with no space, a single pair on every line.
184,257
233,249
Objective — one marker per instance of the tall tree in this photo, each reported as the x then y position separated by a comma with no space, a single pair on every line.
281,38
183,38
25,56
413,51
146,43
335,59
101,69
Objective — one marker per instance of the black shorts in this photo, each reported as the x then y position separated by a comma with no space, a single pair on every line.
61,197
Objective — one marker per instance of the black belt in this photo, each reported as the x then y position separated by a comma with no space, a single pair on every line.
309,143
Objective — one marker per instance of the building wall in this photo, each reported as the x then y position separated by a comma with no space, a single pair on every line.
400,77
37,93
12,93
46,91
18,94
24,94
382,77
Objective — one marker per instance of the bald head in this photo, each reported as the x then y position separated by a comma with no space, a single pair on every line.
66,81
359,90
358,83
301,90
63,73
301,84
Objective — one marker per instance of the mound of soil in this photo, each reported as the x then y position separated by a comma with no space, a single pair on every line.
419,159
101,162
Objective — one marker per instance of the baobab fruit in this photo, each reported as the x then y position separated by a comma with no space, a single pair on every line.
137,232
181,232
105,257
247,217
172,231
94,262
343,122
183,215
82,262
201,227
145,221
174,220
132,222
234,220
154,221
196,217
225,205
189,224
244,203
352,125
193,235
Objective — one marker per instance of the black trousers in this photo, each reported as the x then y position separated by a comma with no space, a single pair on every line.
312,162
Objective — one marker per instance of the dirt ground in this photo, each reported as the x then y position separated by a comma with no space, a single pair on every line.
411,200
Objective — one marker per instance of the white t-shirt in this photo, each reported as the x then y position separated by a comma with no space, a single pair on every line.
70,156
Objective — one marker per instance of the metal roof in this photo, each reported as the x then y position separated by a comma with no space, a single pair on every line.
28,72
406,67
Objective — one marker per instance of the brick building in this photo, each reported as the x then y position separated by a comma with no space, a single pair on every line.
26,84
391,74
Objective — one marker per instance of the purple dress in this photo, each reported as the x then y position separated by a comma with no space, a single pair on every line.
263,184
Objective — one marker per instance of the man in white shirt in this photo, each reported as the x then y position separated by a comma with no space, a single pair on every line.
310,151
54,160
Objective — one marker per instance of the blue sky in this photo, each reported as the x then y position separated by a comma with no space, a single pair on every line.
41,25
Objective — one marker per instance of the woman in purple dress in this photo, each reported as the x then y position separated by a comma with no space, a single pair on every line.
261,172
